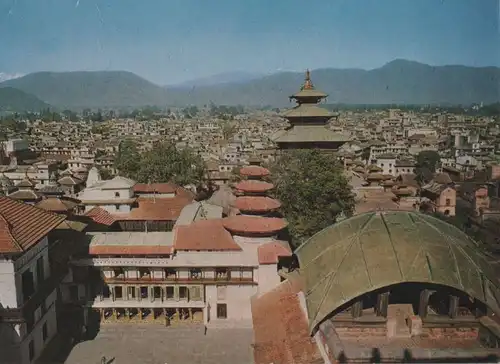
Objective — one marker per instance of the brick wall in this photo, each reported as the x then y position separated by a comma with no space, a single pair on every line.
450,333
360,332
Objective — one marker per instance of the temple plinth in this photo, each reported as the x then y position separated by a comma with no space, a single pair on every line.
308,122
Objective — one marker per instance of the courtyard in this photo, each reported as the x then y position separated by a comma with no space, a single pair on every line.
152,344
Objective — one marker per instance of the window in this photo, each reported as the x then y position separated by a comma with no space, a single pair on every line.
221,293
221,311
144,292
40,272
170,273
131,292
45,332
183,293
117,194
448,202
221,273
195,293
105,291
28,284
118,292
31,348
157,292
195,274
170,292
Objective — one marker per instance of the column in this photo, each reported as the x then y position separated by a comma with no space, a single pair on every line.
137,293
177,315
357,309
165,316
113,298
151,293
139,311
127,314
190,313
101,314
114,314
382,304
424,302
453,311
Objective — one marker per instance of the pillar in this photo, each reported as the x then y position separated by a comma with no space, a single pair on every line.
177,315
382,304
151,293
424,302
453,311
127,314
357,309
139,298
114,314
101,314
112,289
190,313
139,311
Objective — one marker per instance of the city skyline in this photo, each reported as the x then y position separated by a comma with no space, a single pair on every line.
171,42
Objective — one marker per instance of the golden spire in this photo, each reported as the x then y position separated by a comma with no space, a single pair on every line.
308,84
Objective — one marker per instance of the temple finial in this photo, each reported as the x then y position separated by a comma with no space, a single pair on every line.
308,84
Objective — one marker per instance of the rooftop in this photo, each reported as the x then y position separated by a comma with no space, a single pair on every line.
131,243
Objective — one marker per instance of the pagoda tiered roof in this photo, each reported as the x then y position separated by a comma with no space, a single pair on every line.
254,171
256,203
254,186
244,224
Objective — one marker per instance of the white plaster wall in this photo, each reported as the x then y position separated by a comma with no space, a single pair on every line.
237,299
8,293
36,335
268,278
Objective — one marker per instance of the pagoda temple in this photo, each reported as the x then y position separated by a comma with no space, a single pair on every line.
257,218
309,122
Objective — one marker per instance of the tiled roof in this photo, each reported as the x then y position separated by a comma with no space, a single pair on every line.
254,224
57,204
256,203
268,253
281,333
130,250
254,171
204,235
24,195
158,209
22,225
100,216
253,186
155,188
131,243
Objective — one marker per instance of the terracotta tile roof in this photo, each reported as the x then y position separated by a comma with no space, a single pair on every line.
254,224
22,225
281,331
130,250
158,209
155,187
256,203
268,253
100,216
57,204
24,195
253,186
204,235
254,171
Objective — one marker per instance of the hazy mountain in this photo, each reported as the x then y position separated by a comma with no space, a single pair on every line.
15,100
90,89
219,79
398,82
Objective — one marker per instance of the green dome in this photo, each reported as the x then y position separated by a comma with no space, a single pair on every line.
378,249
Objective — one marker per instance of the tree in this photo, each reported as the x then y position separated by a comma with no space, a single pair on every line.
427,162
163,163
313,191
128,159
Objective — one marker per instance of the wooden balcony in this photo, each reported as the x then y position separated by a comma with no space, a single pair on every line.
169,281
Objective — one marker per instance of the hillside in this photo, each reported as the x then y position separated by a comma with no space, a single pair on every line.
14,100
219,79
76,90
398,82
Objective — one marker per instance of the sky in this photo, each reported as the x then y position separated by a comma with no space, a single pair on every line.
172,41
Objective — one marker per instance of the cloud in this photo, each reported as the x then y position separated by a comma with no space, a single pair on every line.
9,76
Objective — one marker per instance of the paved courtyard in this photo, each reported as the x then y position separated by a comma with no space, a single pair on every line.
151,344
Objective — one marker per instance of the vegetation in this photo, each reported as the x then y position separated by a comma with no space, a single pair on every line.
163,163
13,100
427,162
313,191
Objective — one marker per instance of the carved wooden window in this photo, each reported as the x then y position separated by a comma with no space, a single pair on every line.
170,273
183,293
221,273
195,293
170,292
195,274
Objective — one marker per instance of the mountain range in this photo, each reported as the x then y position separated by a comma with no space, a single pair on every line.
14,100
397,82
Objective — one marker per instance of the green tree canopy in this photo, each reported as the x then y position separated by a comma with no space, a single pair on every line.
427,162
313,191
163,163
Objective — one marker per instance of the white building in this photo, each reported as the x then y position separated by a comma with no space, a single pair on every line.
28,291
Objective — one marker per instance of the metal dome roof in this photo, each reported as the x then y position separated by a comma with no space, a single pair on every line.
378,249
